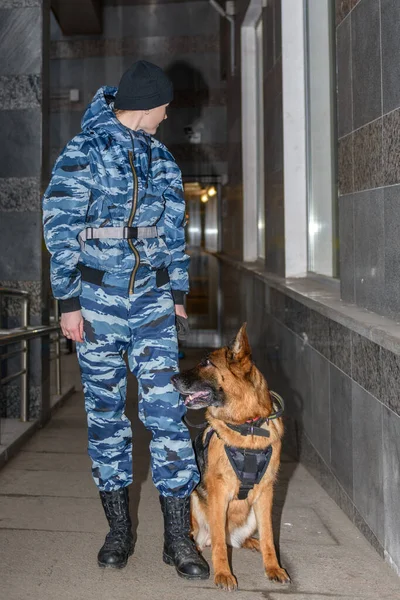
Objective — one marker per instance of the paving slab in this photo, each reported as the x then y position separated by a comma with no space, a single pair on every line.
50,461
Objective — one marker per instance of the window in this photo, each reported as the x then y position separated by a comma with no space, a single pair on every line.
260,142
253,133
320,139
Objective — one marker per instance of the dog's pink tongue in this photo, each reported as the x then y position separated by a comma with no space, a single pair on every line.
196,395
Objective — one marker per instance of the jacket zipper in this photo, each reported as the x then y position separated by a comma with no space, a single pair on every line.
131,218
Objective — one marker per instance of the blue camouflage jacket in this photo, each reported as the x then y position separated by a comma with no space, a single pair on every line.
109,175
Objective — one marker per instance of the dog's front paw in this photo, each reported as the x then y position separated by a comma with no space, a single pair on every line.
225,581
252,544
277,574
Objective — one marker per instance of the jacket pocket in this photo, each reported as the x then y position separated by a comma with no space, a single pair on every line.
90,274
162,277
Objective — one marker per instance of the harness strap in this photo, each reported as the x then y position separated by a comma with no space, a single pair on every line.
248,465
119,233
205,444
249,429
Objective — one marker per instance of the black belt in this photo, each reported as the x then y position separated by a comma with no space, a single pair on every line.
92,275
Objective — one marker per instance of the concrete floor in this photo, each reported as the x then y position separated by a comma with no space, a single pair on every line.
52,525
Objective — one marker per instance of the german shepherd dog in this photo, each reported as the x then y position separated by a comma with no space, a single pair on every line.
235,393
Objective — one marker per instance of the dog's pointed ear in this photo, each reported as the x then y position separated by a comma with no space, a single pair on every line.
240,347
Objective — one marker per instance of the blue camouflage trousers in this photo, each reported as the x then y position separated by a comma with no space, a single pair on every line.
142,325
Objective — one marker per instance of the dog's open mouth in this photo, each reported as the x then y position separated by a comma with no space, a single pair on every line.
198,399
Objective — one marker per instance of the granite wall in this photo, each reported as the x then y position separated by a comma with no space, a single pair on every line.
342,415
24,50
368,54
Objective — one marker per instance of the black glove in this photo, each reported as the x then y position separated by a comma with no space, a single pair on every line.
182,327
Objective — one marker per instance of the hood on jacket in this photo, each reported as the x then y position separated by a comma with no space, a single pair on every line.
99,117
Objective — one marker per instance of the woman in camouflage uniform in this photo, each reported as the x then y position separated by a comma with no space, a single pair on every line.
114,224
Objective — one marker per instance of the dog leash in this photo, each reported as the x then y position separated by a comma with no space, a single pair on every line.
190,424
278,413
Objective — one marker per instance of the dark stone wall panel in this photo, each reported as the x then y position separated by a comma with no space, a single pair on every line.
20,194
20,92
140,47
20,150
20,41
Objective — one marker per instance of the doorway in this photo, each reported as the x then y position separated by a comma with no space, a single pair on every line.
203,198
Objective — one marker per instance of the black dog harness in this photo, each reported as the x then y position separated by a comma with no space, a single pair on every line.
249,465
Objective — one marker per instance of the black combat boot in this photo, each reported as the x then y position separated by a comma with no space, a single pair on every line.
118,545
179,548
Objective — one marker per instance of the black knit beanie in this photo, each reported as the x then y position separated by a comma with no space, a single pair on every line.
143,86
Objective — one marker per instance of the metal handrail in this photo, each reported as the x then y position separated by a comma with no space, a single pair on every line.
17,335
13,292
23,334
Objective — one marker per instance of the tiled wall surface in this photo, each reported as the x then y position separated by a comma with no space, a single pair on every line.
341,395
24,48
368,54
183,39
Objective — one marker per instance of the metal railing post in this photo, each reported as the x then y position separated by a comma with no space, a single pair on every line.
24,410
58,350
23,334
